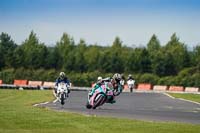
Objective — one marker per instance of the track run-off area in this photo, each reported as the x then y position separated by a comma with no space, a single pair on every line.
136,105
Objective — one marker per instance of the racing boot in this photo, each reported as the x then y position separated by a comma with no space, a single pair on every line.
111,100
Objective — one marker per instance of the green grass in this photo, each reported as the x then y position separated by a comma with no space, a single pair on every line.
192,97
19,116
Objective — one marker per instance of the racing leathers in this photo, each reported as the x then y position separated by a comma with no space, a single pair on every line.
117,89
60,80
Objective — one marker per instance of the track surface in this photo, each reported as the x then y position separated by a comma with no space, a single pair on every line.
142,106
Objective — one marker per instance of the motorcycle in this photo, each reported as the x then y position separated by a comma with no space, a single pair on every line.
62,92
131,84
100,96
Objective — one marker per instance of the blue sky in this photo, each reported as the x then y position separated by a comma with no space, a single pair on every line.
100,21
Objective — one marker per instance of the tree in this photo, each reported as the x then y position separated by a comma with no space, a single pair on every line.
2,62
80,63
145,61
154,48
63,49
52,58
117,44
92,56
7,47
34,52
153,44
139,61
196,57
178,53
115,54
19,57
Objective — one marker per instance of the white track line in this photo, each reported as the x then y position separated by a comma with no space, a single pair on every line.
181,99
55,100
169,95
47,102
40,104
189,101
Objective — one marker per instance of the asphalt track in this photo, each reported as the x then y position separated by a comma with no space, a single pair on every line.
141,106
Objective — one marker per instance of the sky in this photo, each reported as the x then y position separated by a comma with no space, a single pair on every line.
100,21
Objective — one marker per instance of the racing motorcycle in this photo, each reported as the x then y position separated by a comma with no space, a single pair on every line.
100,96
62,92
131,83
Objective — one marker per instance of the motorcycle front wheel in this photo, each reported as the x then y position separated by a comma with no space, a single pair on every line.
62,99
98,101
88,106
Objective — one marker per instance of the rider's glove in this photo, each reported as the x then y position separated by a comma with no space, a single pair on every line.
90,93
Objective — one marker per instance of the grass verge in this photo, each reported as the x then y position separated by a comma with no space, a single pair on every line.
192,97
19,116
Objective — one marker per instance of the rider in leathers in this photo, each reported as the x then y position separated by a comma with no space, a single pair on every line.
62,78
115,85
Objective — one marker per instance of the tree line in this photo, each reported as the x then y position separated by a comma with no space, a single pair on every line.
169,64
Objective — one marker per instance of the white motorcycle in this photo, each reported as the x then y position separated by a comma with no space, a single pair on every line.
131,83
62,92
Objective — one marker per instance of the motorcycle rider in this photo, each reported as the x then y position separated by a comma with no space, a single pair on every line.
122,82
115,82
130,82
99,80
97,85
62,78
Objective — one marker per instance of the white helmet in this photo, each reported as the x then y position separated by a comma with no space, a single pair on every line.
99,78
62,75
117,77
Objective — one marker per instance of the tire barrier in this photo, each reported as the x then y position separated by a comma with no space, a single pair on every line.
20,82
25,84
176,88
192,89
160,88
144,86
48,85
35,84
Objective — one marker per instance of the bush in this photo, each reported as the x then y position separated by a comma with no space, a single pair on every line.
7,76
187,72
169,80
196,79
187,77
148,78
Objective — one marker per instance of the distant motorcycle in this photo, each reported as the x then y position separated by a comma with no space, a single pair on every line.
131,83
62,92
100,96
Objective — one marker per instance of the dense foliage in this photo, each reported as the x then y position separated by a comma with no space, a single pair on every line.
170,64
